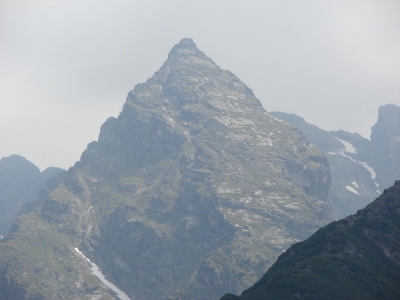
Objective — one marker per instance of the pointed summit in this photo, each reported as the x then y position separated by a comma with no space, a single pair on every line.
189,74
186,51
186,43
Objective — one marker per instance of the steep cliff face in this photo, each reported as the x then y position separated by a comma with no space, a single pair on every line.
20,183
385,145
360,168
354,258
191,192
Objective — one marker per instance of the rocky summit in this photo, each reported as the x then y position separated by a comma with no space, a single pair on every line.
385,145
355,258
192,192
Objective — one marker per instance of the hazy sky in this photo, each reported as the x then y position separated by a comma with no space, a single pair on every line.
67,65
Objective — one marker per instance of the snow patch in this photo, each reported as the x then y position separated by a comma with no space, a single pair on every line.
361,163
354,183
372,171
225,189
97,272
290,205
348,147
170,120
349,188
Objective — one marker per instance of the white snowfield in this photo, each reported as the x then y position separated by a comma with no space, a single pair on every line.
348,147
97,272
351,189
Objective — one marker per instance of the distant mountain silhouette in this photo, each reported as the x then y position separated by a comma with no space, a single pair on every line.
20,183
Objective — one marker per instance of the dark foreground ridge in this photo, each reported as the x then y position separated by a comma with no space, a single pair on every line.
355,258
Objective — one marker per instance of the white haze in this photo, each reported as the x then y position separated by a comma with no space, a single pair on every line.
67,65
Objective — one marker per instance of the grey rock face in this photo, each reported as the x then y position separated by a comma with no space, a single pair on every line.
212,186
385,145
192,192
360,168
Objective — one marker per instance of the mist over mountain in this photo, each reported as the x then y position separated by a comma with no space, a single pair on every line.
20,183
360,168
355,258
193,191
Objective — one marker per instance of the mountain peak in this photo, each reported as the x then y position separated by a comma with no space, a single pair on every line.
186,43
388,107
385,136
187,51
189,74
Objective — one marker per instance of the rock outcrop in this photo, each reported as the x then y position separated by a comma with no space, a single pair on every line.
192,192
354,258
385,145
